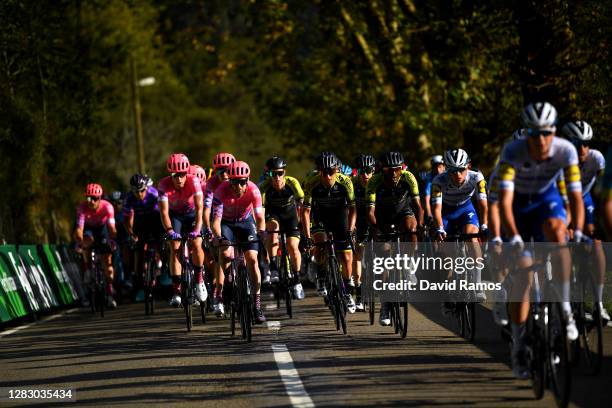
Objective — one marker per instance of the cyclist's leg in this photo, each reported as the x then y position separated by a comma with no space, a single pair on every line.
174,261
272,224
599,265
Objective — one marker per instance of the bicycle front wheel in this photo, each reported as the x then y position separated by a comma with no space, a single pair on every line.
557,352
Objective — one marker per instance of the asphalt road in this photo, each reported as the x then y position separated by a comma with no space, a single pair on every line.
127,358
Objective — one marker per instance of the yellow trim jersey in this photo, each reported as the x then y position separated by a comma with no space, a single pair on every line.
288,196
336,197
392,200
519,172
444,191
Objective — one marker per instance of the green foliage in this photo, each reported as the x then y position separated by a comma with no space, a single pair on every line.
275,77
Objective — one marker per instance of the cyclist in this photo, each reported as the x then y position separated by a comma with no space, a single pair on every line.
393,199
235,203
282,197
142,222
199,173
437,167
121,255
364,164
95,228
221,163
453,211
180,205
500,315
531,207
592,164
329,202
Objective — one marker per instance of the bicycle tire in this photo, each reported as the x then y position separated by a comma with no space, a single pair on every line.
203,309
148,290
395,317
188,295
372,310
404,317
287,287
536,350
469,321
101,298
340,307
591,330
557,355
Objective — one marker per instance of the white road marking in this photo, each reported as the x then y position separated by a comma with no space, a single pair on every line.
271,306
293,385
273,325
46,319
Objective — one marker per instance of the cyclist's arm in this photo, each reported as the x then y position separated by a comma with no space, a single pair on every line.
436,201
197,199
352,217
306,221
110,223
416,204
206,217
112,231
574,194
483,206
78,234
437,215
128,221
216,227
608,214
494,221
577,209
165,215
427,206
507,216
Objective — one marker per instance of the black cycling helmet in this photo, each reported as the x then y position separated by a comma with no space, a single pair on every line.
139,182
391,159
364,160
275,162
327,160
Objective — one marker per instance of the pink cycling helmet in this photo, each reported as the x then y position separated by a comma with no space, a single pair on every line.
223,160
239,170
177,163
93,190
197,171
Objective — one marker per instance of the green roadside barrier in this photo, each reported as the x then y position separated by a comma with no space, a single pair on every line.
11,306
38,277
11,260
64,289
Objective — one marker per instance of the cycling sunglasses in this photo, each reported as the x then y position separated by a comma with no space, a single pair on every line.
456,169
240,182
277,173
537,132
580,143
366,170
179,175
93,199
221,170
392,169
329,172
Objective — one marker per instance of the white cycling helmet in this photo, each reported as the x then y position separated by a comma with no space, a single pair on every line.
437,159
579,130
456,158
539,115
519,133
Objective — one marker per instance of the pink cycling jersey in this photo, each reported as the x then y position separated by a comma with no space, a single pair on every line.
179,201
211,185
87,217
228,207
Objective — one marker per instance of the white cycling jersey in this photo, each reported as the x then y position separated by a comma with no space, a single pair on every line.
444,191
519,172
590,169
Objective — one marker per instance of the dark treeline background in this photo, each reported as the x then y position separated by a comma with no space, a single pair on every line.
258,77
